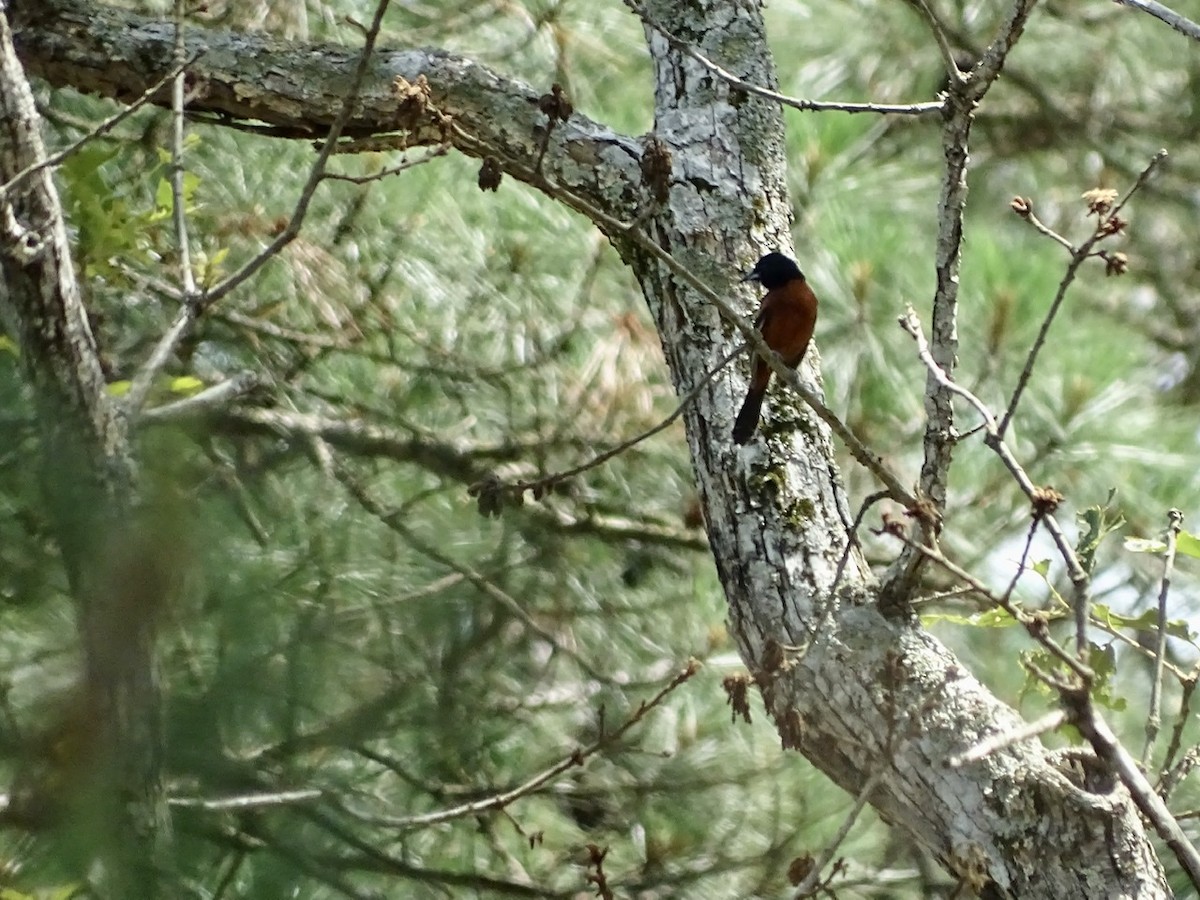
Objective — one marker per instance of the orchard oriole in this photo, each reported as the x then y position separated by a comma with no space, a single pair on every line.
786,320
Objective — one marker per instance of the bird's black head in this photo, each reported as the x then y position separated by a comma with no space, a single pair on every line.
774,270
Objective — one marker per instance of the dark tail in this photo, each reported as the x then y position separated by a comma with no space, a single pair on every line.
747,419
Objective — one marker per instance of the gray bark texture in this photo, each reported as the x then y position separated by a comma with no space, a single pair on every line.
864,696
113,790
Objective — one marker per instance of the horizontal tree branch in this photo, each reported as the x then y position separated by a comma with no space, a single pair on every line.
297,90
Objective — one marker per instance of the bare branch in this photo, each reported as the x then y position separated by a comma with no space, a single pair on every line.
432,153
893,109
1042,501
178,105
1048,722
139,386
1023,207
1096,731
962,97
1165,14
1154,716
206,401
573,760
1171,776
316,174
98,131
248,801
1034,521
852,536
953,72
193,303
1078,256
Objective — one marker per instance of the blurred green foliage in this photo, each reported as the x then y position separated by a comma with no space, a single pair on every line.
425,657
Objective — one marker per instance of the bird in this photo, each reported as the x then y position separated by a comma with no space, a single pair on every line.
786,321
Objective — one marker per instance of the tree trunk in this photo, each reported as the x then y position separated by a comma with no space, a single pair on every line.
865,697
109,790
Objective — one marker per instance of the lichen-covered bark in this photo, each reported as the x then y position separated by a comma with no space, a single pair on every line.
297,90
859,694
856,693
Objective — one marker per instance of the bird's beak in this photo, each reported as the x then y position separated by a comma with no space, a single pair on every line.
752,275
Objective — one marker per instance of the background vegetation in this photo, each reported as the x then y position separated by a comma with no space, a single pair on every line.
357,628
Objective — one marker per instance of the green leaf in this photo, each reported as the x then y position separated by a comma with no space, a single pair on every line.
106,226
210,267
8,344
1042,568
1145,545
1188,544
119,388
164,196
992,618
1103,661
186,384
191,182
164,201
1098,522
1147,621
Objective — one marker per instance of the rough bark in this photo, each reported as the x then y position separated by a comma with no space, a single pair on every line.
111,791
860,695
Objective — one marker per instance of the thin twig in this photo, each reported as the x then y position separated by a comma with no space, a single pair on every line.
194,304
1033,527
1166,783
248,801
1024,208
206,401
1175,775
178,89
893,109
291,335
1078,257
754,339
549,481
996,742
316,174
428,156
1106,746
1080,581
99,130
809,885
1165,14
1154,717
573,760
852,540
1134,645
953,72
